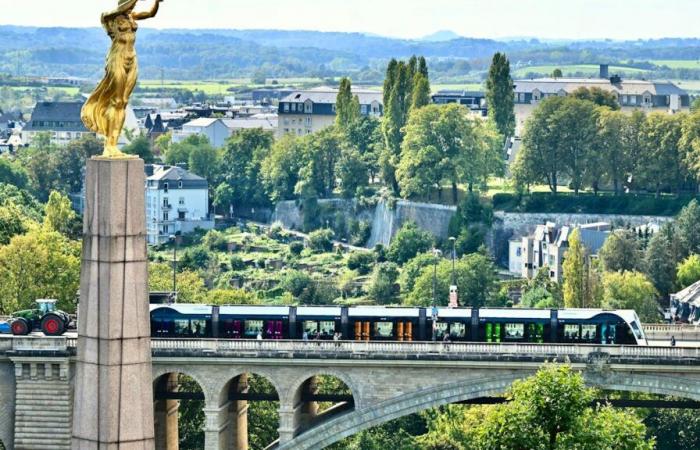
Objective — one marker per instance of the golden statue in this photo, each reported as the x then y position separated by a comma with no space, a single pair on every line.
105,110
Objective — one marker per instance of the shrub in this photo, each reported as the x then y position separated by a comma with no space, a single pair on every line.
237,263
382,287
195,258
215,240
296,247
321,241
408,242
361,262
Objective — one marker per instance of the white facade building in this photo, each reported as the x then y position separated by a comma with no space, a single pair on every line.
177,201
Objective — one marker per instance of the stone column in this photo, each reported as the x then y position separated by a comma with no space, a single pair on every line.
113,405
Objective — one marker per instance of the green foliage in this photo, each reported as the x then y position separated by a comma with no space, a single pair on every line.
412,269
12,222
470,224
191,418
660,260
280,168
321,241
237,263
22,199
347,105
598,96
13,173
241,165
500,96
231,297
633,204
190,286
687,230
674,428
296,283
195,258
296,247
688,271
542,292
361,262
631,290
141,147
59,215
215,240
408,242
621,252
382,286
39,264
581,281
475,277
557,73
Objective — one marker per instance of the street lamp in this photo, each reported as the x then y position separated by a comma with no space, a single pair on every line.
437,254
173,238
454,302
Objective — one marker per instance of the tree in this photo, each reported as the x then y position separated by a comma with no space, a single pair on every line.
59,213
321,151
557,73
382,285
205,161
574,272
71,160
631,290
421,91
11,172
500,95
551,410
412,269
321,241
475,277
241,166
141,147
194,258
688,271
408,242
280,169
361,262
598,96
190,286
621,252
674,428
347,106
39,264
662,166
12,222
614,150
660,260
559,137
687,230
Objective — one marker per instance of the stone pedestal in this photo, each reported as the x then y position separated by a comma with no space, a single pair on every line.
113,407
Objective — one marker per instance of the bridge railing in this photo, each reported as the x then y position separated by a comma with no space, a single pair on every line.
412,348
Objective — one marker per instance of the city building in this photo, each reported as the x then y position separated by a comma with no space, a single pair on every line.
474,100
547,246
177,202
305,112
265,122
214,129
269,96
61,120
631,94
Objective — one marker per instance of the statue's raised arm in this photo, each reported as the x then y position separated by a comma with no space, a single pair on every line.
105,110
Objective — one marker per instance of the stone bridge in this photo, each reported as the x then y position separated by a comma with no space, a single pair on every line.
387,380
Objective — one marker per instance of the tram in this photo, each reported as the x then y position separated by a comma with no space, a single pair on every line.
380,323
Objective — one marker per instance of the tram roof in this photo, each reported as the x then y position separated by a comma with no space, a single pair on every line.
318,311
254,310
184,308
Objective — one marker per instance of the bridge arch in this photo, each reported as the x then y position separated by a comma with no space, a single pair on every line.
167,404
358,420
298,383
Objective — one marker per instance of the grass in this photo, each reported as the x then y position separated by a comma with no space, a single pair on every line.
68,90
677,63
588,69
221,87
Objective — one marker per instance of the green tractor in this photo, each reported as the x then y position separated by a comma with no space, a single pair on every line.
46,318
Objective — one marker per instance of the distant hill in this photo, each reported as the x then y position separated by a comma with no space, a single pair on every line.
216,54
441,36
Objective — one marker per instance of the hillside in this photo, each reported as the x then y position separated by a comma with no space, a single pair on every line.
216,54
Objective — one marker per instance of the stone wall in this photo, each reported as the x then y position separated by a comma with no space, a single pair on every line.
7,402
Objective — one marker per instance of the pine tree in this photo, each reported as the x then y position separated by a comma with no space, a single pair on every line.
499,95
389,81
423,67
574,272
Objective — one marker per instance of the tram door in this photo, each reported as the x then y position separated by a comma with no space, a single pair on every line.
608,334
493,332
362,330
404,331
273,329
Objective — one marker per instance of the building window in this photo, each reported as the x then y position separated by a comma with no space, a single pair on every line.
308,121
286,107
181,215
165,187
165,217
179,184
165,202
182,201
308,108
633,99
363,109
624,100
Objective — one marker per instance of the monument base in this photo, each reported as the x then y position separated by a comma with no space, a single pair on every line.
113,403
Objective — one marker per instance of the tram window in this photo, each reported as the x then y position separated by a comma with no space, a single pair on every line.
310,327
571,332
458,330
589,332
383,329
637,331
515,330
232,328
252,328
441,328
199,328
327,328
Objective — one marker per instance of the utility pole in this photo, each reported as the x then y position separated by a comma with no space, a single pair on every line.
173,238
454,300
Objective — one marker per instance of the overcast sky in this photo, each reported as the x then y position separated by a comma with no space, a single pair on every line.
577,19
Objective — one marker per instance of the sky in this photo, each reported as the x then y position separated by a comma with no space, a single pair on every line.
548,19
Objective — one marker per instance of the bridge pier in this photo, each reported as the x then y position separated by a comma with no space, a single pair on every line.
166,414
